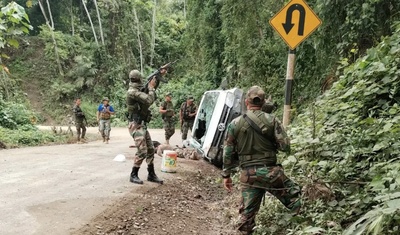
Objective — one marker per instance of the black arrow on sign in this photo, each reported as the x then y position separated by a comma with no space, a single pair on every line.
289,14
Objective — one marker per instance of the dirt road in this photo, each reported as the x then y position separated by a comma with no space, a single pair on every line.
79,189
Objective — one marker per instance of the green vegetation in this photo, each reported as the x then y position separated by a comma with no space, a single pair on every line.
349,140
29,136
345,127
16,118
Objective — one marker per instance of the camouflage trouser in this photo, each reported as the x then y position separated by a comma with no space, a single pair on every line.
105,128
80,126
255,181
169,127
185,128
144,145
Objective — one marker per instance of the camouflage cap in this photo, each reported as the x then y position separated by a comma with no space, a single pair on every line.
169,94
255,96
135,75
190,98
106,98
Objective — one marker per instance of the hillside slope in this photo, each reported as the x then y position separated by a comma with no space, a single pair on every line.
30,67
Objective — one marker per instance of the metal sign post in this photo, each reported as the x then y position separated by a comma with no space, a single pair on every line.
294,23
289,86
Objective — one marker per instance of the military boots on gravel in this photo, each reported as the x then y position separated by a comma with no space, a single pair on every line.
152,175
134,176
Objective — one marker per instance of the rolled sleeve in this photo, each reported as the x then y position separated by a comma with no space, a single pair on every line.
229,151
281,137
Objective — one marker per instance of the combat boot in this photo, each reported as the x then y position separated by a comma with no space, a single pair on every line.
134,176
152,175
167,141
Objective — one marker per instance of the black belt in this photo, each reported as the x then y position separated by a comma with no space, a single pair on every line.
266,155
259,165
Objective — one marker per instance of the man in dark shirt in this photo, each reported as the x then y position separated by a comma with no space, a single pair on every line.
79,118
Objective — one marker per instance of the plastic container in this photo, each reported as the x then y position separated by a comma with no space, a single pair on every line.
168,163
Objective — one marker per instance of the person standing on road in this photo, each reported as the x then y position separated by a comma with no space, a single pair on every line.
187,115
139,115
255,137
103,114
79,118
168,114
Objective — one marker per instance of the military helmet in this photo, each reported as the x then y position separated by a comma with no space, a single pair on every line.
135,76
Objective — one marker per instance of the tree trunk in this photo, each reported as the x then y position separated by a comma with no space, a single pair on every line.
72,19
99,19
184,9
113,32
139,39
50,15
60,70
91,23
153,33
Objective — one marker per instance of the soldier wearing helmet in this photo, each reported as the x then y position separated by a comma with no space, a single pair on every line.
139,115
256,137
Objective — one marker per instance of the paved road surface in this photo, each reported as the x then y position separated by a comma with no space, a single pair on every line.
58,189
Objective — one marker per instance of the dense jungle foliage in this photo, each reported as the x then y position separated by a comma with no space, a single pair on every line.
345,128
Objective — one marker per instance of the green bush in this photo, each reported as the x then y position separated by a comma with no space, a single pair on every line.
349,140
14,115
29,135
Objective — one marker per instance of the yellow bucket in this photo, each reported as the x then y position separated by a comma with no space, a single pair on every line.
168,163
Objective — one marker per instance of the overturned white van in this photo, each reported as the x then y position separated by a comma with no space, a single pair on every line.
216,110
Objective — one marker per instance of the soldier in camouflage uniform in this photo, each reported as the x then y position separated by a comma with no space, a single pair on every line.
168,114
187,115
79,118
139,115
255,137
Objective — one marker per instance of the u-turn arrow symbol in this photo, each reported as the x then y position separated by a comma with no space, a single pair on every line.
289,15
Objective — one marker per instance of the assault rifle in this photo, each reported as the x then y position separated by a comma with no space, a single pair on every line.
158,76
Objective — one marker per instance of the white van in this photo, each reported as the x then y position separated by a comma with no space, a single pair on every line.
216,110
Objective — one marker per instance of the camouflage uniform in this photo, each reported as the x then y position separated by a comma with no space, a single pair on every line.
187,121
168,119
257,160
138,104
79,118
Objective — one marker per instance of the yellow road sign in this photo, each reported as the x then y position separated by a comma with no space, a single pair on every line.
295,22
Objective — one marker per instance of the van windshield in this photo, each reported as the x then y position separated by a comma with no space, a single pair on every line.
206,111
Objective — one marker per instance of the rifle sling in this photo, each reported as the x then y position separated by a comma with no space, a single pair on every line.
254,125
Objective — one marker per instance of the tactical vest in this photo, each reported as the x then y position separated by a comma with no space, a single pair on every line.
167,105
132,104
79,117
254,149
187,109
104,115
137,111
